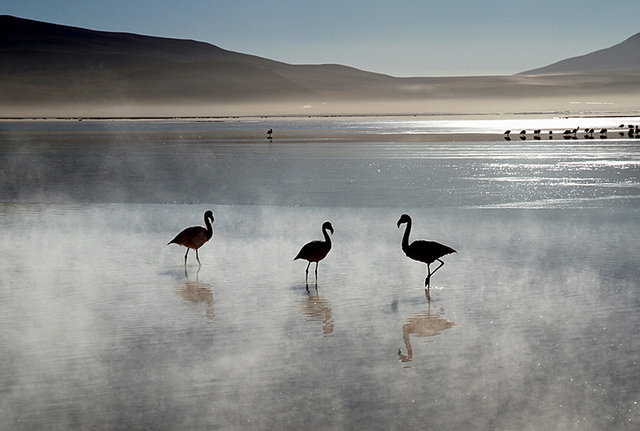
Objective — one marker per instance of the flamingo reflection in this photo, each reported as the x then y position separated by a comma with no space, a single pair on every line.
421,325
197,293
318,309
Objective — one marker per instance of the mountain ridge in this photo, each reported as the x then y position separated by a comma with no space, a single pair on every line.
621,57
45,66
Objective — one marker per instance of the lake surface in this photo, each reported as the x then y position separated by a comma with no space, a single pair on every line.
534,323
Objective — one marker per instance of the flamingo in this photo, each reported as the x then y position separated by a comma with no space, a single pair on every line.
315,251
195,236
506,135
269,132
423,251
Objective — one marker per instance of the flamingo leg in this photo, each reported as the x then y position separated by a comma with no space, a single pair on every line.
317,270
439,266
306,278
197,258
428,280
185,257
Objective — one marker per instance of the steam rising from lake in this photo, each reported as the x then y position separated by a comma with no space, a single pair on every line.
533,323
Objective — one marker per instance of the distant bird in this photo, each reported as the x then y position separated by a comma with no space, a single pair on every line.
269,132
550,134
621,132
574,133
195,236
588,133
523,134
315,251
507,136
423,251
536,134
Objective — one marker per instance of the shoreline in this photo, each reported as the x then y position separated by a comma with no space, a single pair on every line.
253,132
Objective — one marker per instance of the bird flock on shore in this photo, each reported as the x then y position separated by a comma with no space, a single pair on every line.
631,131
427,252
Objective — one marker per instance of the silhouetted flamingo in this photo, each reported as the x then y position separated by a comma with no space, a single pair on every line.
574,133
423,251
507,136
195,236
315,251
269,132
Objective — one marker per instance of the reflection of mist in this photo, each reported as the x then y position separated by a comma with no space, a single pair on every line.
197,292
318,309
424,324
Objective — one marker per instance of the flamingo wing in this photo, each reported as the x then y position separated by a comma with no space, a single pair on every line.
192,237
428,251
313,251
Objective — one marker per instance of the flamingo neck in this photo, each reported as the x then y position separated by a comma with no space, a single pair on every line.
405,237
327,238
406,331
209,227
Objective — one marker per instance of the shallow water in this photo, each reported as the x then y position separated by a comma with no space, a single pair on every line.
533,324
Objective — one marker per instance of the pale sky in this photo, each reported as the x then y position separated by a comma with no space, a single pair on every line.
400,38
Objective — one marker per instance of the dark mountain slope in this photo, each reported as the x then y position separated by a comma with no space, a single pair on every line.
623,57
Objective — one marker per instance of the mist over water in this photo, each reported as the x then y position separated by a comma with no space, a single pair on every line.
533,324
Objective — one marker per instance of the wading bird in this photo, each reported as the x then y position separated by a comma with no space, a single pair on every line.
507,136
269,132
195,236
423,251
574,133
315,251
